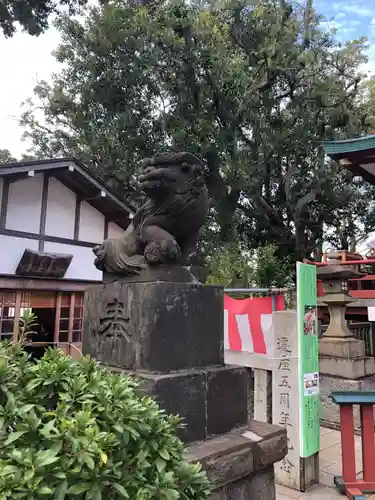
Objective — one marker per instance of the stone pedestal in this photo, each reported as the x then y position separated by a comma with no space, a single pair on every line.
345,358
211,401
154,327
343,366
342,359
170,336
329,411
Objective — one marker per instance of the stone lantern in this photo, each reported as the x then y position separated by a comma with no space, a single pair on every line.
341,354
335,286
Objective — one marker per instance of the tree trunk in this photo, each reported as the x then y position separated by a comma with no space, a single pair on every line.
352,244
300,241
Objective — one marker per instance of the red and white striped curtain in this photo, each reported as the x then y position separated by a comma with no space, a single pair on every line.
248,324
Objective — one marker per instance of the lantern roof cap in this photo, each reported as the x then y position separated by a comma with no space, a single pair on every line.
337,272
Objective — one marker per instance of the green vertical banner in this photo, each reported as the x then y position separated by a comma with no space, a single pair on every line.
308,360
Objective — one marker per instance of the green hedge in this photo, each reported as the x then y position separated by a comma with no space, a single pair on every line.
73,430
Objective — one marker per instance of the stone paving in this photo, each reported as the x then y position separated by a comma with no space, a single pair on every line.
330,466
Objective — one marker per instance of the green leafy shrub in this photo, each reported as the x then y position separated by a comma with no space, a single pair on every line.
27,322
72,430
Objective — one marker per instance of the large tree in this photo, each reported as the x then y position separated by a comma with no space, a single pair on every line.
252,89
6,156
32,15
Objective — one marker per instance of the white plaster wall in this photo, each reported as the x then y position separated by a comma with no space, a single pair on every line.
82,266
91,224
12,250
24,204
61,205
114,231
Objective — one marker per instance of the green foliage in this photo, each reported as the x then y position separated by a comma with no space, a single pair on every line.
253,90
229,267
368,88
273,270
32,15
6,156
27,322
72,430
264,268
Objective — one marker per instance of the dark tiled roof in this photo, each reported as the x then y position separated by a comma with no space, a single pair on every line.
61,162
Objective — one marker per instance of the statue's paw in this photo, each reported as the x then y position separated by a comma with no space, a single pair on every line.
99,264
166,252
170,250
99,252
153,254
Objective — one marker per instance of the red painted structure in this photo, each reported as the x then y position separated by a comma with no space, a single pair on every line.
348,484
358,288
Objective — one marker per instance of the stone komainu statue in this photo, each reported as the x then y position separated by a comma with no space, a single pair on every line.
165,229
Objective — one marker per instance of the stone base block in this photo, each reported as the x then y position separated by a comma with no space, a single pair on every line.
351,369
210,401
156,327
259,486
341,347
329,411
240,464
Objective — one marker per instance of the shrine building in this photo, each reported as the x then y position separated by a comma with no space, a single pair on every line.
358,156
53,212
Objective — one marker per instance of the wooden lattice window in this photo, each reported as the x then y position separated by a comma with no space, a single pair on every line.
69,317
78,318
12,306
7,314
63,312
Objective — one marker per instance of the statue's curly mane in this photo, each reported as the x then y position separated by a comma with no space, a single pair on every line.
179,206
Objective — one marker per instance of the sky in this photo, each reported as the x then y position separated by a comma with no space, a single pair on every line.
352,19
26,59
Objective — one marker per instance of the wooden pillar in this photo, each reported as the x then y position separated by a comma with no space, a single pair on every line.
56,335
17,310
347,443
368,443
71,320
